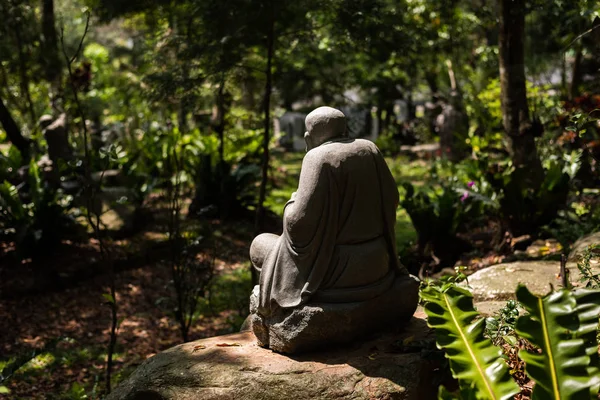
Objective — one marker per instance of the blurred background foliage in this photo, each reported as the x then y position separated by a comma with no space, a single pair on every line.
180,100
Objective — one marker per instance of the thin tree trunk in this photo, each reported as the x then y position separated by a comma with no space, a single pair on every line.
515,111
52,59
219,127
267,123
563,77
13,132
24,77
431,78
576,78
220,124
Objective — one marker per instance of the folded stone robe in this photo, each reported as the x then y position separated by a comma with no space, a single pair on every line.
338,242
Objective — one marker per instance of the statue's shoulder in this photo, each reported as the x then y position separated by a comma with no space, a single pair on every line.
335,153
367,144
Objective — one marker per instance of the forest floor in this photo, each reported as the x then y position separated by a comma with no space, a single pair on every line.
56,307
72,318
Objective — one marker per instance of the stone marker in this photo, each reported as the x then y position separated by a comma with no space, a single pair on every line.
291,125
57,137
453,127
334,273
233,367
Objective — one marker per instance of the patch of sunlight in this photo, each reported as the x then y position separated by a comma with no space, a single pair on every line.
404,169
70,358
277,198
230,290
39,362
289,160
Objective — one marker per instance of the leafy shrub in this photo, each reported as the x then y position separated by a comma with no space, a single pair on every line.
437,217
190,276
229,191
588,276
525,209
573,223
562,324
501,327
37,218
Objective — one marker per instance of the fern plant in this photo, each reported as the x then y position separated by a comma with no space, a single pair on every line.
562,325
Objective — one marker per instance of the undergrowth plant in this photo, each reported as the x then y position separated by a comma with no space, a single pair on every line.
590,277
36,217
560,326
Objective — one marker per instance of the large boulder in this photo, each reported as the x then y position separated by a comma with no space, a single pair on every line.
499,282
391,366
494,285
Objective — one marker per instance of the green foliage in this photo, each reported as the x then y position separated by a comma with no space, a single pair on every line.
561,328
11,366
573,223
474,360
437,216
561,369
525,208
590,277
36,219
10,164
501,327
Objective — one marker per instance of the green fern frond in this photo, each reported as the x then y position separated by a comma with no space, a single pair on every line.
474,360
560,370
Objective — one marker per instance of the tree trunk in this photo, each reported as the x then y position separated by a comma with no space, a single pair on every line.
576,78
51,56
219,128
519,129
13,132
219,124
267,123
431,79
23,68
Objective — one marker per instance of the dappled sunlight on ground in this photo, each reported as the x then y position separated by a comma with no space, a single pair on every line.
77,314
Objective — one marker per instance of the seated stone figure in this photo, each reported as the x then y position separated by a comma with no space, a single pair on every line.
334,273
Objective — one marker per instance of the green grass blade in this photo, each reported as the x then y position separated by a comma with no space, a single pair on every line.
474,360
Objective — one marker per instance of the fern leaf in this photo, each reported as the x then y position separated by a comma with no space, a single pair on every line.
560,370
474,360
588,309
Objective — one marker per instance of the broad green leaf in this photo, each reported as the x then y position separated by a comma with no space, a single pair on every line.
474,360
588,309
560,370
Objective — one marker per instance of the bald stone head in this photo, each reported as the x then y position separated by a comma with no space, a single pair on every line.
323,124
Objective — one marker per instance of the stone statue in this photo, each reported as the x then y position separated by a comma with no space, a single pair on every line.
334,273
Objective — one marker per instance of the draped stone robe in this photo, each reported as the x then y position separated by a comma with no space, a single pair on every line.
338,241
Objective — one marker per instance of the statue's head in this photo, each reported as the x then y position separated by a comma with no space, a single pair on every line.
323,124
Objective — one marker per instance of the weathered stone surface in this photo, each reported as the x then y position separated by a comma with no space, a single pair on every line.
489,308
316,325
580,246
234,367
499,282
